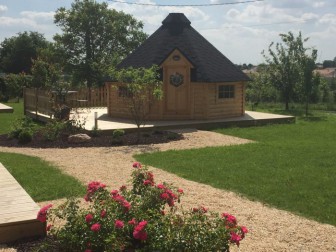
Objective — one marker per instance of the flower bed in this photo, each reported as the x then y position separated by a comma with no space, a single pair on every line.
142,218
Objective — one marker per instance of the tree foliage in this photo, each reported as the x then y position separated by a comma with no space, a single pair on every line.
17,52
142,88
291,67
95,37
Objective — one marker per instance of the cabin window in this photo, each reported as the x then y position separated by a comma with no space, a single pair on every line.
225,91
124,92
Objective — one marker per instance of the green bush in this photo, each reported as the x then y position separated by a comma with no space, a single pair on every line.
25,136
118,133
142,218
25,124
53,130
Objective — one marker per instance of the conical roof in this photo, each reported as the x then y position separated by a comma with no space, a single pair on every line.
210,65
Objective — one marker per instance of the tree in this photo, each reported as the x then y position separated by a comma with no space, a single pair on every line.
15,83
47,69
290,66
95,37
17,52
141,88
260,89
307,63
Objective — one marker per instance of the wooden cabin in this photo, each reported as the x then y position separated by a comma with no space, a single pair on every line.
199,82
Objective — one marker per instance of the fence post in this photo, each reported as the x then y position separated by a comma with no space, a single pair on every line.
24,100
36,103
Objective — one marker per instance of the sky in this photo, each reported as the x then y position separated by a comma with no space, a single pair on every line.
240,31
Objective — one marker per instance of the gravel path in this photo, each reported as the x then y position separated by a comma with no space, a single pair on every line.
270,229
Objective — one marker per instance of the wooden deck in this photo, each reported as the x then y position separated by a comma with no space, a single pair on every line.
18,211
5,109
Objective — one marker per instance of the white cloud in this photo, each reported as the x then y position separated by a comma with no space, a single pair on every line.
152,16
328,19
33,15
3,8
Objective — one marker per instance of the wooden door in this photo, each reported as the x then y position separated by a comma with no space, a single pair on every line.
177,91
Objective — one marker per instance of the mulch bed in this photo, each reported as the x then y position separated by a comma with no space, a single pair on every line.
150,137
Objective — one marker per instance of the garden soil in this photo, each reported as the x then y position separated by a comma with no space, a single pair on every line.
270,229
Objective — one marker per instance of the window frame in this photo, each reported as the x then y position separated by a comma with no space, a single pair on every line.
226,91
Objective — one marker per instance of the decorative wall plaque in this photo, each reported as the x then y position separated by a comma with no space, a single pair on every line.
176,57
176,79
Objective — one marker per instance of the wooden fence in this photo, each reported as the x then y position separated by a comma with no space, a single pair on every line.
39,103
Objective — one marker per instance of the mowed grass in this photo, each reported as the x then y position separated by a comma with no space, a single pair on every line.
7,119
41,180
291,167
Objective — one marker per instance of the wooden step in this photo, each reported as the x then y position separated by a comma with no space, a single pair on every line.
18,211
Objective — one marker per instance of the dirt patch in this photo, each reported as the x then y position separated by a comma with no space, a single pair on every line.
270,229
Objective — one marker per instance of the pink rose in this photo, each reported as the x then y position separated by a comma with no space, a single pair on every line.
132,222
88,218
148,182
232,221
180,191
136,165
119,224
161,186
103,213
244,231
164,196
139,233
48,227
114,192
42,214
95,227
234,238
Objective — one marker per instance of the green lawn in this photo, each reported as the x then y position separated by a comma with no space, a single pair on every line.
291,167
7,119
41,180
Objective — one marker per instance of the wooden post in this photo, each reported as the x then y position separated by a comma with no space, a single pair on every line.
36,103
24,100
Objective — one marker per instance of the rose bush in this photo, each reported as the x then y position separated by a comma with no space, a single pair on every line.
142,218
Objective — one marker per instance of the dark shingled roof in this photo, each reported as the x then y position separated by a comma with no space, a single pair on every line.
177,33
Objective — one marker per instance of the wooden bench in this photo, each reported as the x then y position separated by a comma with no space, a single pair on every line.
18,211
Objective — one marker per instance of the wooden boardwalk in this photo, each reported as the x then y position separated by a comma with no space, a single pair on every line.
18,211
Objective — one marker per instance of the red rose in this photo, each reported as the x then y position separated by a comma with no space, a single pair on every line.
136,165
119,224
42,214
234,238
139,233
103,213
95,227
132,222
88,218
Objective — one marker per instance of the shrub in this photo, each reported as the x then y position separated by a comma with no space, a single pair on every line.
116,136
23,124
54,129
118,133
143,218
25,136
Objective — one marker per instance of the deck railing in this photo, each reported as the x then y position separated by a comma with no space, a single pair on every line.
39,103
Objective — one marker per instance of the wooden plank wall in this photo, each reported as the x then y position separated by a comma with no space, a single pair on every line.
221,108
205,103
